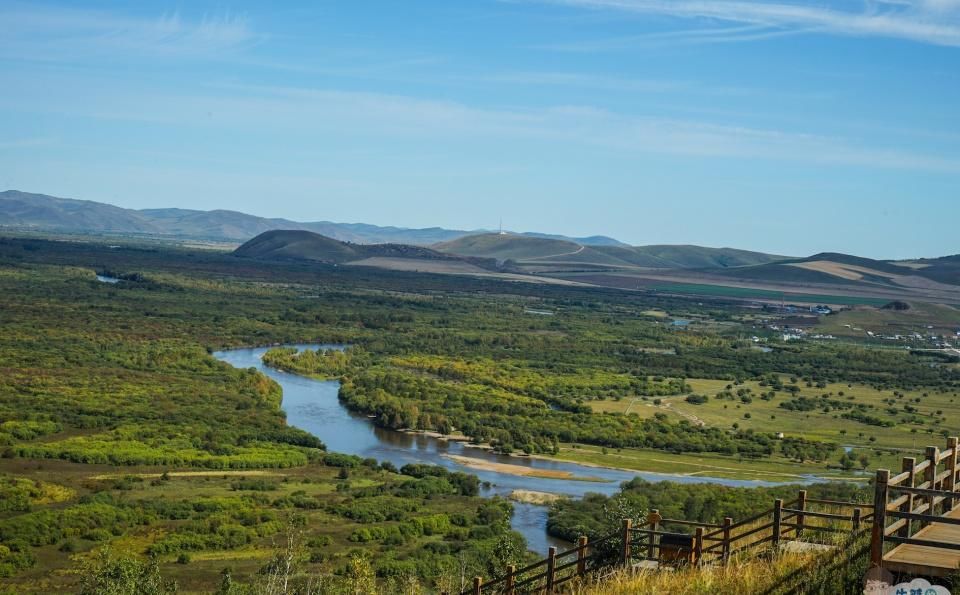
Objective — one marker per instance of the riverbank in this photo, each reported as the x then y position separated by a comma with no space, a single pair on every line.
709,466
519,470
534,497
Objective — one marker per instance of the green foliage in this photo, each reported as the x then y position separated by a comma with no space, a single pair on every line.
109,575
801,449
597,515
400,399
122,375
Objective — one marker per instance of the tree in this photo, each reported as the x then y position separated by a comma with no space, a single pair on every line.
360,576
107,575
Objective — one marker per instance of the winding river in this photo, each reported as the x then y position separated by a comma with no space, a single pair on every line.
312,405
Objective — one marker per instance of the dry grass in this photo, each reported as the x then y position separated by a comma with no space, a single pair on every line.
742,576
757,570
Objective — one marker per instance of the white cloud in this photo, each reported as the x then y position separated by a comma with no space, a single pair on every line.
47,33
934,22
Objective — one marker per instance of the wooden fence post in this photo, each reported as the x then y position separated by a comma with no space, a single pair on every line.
653,519
777,521
952,467
698,546
625,543
801,505
879,518
725,556
511,579
933,453
581,555
551,569
477,585
907,465
855,520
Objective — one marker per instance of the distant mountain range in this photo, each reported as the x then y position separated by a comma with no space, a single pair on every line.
673,268
596,260
48,213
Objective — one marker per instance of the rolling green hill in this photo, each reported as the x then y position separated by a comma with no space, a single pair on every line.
829,267
293,244
544,250
298,245
692,257
507,246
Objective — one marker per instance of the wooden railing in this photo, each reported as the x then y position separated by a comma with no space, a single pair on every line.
923,493
659,540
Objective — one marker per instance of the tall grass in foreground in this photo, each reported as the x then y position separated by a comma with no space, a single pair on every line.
834,572
740,576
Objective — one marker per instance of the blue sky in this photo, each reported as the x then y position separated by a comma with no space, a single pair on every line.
786,127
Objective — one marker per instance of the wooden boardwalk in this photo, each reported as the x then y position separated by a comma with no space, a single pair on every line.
917,512
925,559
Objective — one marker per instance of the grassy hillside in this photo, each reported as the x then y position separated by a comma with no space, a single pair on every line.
831,267
509,246
692,257
298,245
545,250
945,269
306,245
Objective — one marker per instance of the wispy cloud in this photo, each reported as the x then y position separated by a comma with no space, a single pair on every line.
934,22
26,143
49,33
304,112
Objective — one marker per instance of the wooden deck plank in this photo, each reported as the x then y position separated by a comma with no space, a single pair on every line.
939,561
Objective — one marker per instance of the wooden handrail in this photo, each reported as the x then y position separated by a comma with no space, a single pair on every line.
817,528
919,491
893,527
751,519
918,502
689,523
897,479
787,517
925,542
838,503
913,516
892,504
822,515
751,532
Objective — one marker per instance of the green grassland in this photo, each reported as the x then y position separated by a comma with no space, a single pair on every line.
771,416
104,388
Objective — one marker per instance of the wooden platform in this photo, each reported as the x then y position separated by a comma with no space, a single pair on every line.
926,560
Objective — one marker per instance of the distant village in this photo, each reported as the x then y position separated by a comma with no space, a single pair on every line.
795,324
